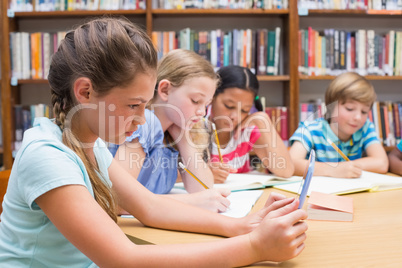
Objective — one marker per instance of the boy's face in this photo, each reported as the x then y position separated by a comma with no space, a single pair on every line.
348,117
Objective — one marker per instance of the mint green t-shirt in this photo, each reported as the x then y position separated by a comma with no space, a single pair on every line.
27,237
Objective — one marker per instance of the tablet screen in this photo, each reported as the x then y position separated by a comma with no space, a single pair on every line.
308,174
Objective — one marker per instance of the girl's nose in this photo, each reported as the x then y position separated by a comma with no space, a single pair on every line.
201,112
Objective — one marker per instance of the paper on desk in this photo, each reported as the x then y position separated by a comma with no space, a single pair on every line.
241,202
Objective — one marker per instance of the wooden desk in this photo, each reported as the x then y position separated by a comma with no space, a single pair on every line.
373,239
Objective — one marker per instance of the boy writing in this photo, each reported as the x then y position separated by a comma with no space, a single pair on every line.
349,98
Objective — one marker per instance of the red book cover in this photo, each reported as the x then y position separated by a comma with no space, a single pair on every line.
397,123
311,50
386,59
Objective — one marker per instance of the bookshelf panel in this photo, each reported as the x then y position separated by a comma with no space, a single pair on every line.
219,12
77,13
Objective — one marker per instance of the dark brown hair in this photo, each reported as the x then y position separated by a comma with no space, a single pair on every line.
110,52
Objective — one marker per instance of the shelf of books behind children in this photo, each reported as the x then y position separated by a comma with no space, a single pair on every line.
24,116
367,6
30,54
258,50
216,4
385,115
279,117
333,51
74,5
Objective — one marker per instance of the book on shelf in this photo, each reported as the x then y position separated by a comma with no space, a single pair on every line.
72,5
368,181
24,117
387,119
329,207
258,50
249,181
366,52
279,117
214,4
31,53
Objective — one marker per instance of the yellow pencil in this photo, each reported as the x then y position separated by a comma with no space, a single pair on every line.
337,149
189,172
217,142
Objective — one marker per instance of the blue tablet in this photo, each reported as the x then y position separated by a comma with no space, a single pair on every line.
308,174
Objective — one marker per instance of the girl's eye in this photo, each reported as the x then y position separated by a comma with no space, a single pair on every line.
229,107
133,106
195,102
349,109
364,112
245,112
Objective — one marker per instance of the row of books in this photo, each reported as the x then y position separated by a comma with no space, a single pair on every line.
24,117
333,51
351,4
310,111
31,53
279,117
225,4
256,49
70,5
386,117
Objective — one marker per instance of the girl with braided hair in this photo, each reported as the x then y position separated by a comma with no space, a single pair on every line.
59,209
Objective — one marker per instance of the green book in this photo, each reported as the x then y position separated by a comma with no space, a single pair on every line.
271,53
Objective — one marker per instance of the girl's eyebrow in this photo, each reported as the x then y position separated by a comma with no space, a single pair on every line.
200,93
138,99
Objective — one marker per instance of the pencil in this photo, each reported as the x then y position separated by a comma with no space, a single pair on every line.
338,150
217,142
189,172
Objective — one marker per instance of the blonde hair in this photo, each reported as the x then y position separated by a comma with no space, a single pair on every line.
349,86
179,65
110,52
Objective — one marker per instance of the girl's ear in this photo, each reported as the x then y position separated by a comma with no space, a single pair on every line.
163,89
83,89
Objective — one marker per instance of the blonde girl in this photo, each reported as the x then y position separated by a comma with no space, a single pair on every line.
185,85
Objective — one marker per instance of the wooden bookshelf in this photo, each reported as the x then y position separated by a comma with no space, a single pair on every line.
219,12
290,77
352,12
76,13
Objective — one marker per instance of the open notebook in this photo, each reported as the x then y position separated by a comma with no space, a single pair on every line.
248,181
367,182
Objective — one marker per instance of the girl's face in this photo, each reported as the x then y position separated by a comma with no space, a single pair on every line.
121,110
186,105
348,117
231,107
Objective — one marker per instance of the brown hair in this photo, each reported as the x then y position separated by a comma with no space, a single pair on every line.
110,52
349,86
